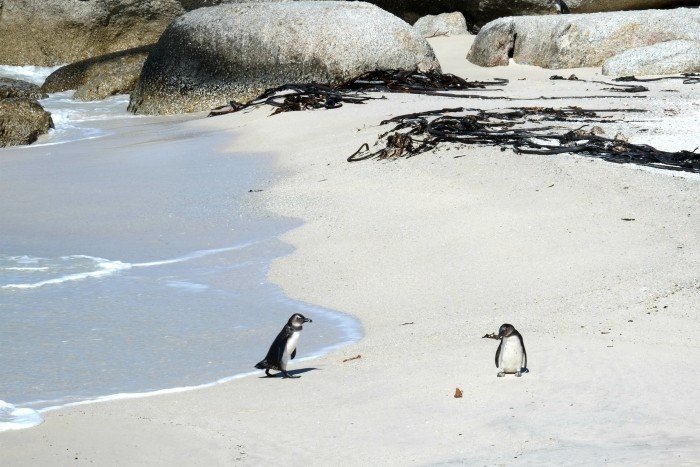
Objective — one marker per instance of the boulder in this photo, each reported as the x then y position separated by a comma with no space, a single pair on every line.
480,12
235,51
664,58
22,121
53,32
571,41
476,12
441,25
17,88
100,77
597,6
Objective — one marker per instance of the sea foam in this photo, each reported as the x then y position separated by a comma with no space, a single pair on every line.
32,74
99,267
13,418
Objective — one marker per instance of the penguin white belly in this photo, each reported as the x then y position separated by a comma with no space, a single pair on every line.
511,357
289,348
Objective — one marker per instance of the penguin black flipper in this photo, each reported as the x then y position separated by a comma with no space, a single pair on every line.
498,352
279,345
273,359
294,354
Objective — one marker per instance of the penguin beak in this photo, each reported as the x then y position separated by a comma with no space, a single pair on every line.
307,320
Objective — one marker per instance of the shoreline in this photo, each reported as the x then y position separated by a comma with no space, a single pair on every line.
455,247
160,253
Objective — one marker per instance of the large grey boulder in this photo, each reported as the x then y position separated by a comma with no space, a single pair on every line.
570,41
100,77
664,58
213,55
10,87
597,6
22,121
480,12
441,25
476,12
53,32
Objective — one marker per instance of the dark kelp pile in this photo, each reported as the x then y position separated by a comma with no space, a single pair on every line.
308,96
521,130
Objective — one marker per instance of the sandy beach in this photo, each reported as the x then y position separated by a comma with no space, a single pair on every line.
431,253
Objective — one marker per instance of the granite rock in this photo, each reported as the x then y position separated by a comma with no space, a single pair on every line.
100,77
586,40
441,25
22,120
664,58
54,32
17,88
235,51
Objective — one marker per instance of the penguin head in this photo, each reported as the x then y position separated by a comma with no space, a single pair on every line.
506,330
297,319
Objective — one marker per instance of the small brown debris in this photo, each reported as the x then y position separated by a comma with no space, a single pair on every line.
492,335
458,393
406,324
628,219
352,358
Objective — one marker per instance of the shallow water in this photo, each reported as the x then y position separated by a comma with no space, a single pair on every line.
134,259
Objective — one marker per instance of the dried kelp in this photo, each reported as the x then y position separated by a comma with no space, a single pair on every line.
525,130
688,78
613,86
412,81
294,97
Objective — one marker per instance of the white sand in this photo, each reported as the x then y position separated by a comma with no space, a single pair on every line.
607,308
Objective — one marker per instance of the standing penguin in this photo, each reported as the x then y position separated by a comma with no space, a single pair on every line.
284,347
511,356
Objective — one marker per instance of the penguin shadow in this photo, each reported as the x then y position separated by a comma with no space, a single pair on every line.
298,371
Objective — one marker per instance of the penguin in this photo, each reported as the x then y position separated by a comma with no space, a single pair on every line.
511,356
284,347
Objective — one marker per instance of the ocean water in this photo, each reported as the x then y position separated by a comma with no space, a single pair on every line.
133,259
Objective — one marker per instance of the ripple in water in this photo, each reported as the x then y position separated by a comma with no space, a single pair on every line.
78,328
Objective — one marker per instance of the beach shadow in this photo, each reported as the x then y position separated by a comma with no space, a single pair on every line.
296,372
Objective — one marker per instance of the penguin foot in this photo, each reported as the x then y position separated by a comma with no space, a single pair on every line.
267,373
518,374
287,375
501,374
